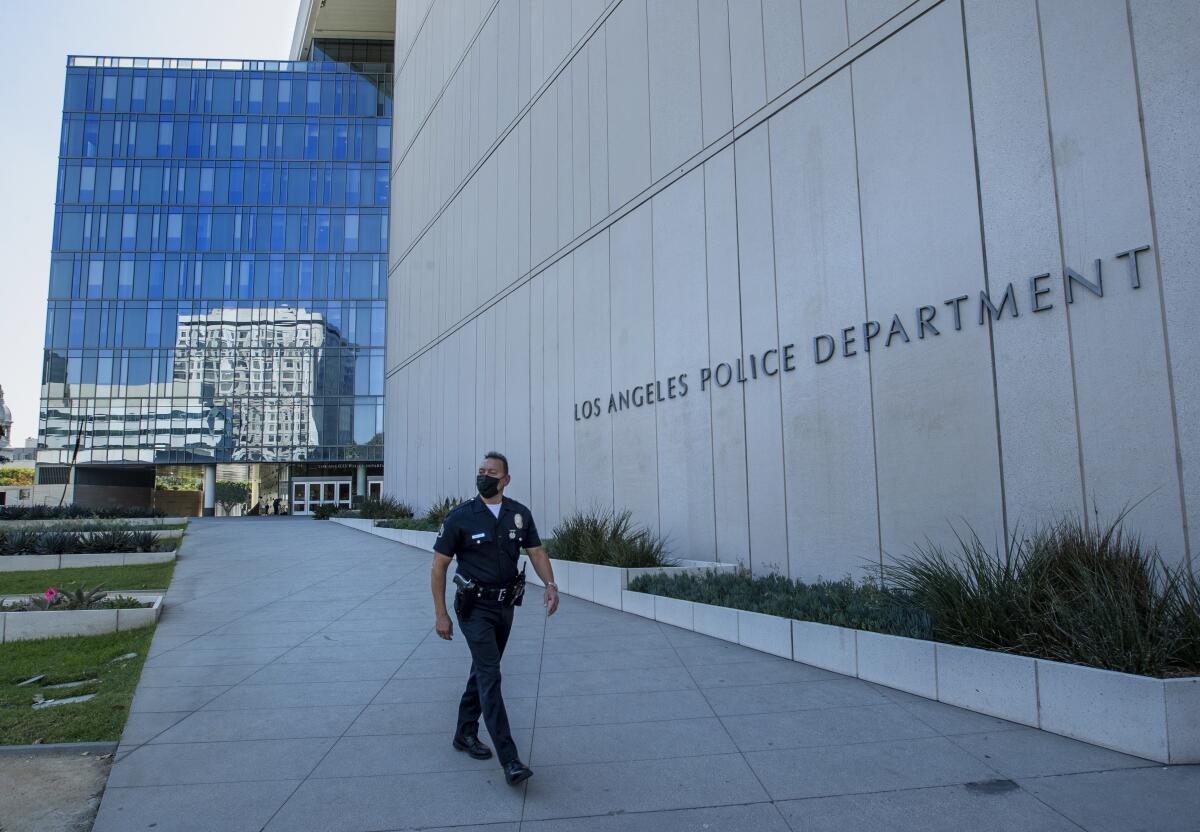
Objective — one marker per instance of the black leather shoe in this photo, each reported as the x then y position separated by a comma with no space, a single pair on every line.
473,747
517,772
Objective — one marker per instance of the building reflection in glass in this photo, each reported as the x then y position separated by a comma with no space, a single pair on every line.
219,262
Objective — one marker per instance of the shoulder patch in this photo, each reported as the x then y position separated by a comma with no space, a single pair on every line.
442,530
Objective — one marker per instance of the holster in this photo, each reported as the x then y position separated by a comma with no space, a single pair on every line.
518,589
465,597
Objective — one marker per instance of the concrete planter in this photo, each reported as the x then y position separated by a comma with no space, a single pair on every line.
997,684
638,603
907,664
16,525
825,646
768,633
23,626
24,563
673,611
718,622
1158,719
580,579
607,584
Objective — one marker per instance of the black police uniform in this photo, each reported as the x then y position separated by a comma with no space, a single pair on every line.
487,549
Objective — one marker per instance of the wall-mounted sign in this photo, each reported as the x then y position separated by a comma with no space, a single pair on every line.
1034,296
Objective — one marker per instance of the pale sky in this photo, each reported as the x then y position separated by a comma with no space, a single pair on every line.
38,36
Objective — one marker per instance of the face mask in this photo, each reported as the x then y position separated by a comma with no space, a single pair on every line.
488,486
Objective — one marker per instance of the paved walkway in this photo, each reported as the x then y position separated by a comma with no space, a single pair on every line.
296,684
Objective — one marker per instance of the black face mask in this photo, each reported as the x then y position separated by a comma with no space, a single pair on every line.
488,486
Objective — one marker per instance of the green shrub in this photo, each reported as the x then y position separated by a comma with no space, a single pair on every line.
416,524
59,543
863,606
438,511
383,508
1084,595
79,598
325,511
608,539
75,512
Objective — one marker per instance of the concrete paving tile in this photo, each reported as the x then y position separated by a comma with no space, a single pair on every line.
409,754
612,660
945,719
759,817
219,762
299,672
296,695
770,672
652,640
246,640
614,708
441,688
314,653
245,627
407,801
461,666
142,727
387,637
1028,752
163,642
1158,799
170,677
149,699
640,786
869,767
188,656
228,807
721,653
262,724
429,717
630,741
760,699
826,726
993,806
638,680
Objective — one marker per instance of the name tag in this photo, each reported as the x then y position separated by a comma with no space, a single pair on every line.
479,536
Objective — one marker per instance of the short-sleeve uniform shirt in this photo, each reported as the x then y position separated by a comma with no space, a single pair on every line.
487,547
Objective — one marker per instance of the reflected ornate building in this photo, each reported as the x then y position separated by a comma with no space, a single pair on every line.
219,268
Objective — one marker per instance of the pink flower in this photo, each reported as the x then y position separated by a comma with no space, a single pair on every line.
50,594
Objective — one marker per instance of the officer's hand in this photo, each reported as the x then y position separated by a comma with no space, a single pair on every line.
444,627
550,600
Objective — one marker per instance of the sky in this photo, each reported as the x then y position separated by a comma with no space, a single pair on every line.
38,36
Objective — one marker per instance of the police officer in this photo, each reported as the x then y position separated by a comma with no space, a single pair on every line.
486,534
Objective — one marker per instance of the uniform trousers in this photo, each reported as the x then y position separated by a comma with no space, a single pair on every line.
486,630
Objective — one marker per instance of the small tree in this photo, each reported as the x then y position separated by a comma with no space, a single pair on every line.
16,476
232,493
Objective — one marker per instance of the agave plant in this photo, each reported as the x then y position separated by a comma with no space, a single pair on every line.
58,543
111,541
20,543
143,541
438,511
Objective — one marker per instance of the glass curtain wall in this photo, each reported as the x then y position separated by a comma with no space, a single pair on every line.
219,263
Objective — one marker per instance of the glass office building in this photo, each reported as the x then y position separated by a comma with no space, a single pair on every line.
219,270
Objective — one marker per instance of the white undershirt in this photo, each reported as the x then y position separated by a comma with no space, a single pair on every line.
494,508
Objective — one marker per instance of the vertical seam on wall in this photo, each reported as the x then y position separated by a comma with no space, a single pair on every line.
699,70
1062,254
779,373
653,340
1162,298
712,450
737,233
612,431
987,286
862,254
733,161
762,34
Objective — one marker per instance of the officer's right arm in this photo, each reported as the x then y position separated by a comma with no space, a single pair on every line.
443,550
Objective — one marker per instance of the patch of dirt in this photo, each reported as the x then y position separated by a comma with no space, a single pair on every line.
51,791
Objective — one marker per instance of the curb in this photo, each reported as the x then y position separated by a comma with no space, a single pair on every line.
50,748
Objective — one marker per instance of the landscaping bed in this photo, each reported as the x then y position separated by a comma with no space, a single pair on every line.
140,578
95,660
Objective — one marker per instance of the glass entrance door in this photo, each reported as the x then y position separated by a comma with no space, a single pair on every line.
309,494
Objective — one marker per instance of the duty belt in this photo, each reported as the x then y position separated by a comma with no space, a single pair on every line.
491,593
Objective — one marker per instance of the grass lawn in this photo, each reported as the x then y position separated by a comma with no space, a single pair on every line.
148,576
69,660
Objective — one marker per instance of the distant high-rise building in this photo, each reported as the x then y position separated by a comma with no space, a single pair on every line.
219,271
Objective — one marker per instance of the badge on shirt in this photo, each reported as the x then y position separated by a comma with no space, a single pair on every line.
519,521
512,535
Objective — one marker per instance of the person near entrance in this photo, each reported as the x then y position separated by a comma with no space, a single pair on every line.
487,534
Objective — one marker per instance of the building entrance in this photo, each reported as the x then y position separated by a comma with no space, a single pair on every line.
309,493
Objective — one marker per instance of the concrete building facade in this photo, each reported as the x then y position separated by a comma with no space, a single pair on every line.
801,283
